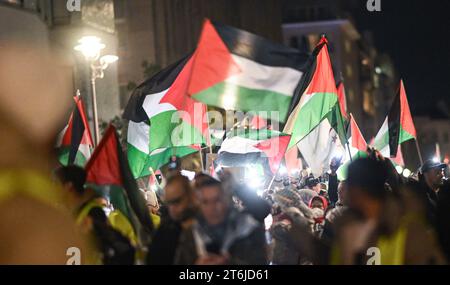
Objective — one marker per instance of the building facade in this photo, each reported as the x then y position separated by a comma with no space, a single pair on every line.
369,77
154,33
49,24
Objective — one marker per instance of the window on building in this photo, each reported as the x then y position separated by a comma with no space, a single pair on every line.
348,46
349,70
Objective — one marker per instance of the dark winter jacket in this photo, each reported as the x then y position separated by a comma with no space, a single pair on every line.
243,239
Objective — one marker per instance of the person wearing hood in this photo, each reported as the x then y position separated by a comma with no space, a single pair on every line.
318,205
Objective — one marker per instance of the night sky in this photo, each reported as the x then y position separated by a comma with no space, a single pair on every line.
416,34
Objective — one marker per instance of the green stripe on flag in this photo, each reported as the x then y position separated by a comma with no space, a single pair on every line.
140,163
169,130
311,114
234,97
63,157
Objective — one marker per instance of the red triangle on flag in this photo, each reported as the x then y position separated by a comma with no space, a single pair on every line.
405,116
292,161
358,140
342,99
274,148
258,122
399,158
103,167
213,62
193,112
87,138
323,78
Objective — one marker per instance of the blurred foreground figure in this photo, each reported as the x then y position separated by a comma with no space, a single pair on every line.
377,226
34,227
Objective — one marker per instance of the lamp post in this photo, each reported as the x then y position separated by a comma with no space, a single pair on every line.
90,47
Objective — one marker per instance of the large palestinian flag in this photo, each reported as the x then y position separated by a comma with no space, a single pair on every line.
108,167
317,101
254,147
75,141
237,70
163,120
398,126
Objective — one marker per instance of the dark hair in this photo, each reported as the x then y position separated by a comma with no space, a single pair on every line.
204,180
73,174
182,180
369,175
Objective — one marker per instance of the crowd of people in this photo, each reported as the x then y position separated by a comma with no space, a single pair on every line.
375,216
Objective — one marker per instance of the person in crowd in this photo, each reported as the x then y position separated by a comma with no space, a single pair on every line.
431,178
79,199
86,206
313,184
252,204
335,212
282,250
115,248
318,205
177,215
333,180
376,217
222,234
442,218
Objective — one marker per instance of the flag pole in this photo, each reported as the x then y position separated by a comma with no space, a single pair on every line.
201,159
418,151
346,141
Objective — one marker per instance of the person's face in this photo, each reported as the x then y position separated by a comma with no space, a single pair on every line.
317,204
213,204
434,177
177,200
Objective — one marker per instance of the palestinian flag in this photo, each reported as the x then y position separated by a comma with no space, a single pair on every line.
318,100
237,70
163,120
342,99
357,145
398,126
293,162
265,147
318,147
75,142
108,168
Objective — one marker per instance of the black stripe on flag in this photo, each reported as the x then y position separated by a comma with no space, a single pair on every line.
394,125
77,135
259,49
156,84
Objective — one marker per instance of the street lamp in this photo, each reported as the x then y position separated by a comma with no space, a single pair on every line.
90,47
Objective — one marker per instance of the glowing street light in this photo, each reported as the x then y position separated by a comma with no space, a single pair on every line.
91,47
